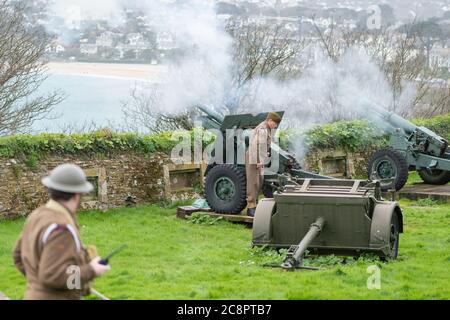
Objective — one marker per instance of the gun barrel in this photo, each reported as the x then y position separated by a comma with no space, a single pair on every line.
212,114
391,120
314,231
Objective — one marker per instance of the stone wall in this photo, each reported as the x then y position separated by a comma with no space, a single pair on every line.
119,180
132,178
339,163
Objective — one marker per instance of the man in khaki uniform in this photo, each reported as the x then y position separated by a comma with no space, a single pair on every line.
257,155
49,252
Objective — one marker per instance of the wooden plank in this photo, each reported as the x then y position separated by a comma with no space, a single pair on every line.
233,218
424,191
184,212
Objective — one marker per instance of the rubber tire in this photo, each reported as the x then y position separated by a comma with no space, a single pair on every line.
393,253
442,178
400,163
238,176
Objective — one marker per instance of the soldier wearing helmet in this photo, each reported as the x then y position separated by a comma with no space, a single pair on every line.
257,156
49,253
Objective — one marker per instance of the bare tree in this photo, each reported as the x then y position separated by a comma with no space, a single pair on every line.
142,113
399,56
332,40
22,71
261,50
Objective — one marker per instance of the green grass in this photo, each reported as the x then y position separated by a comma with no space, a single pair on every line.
174,259
414,178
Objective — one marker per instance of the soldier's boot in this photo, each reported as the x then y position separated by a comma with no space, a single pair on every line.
251,212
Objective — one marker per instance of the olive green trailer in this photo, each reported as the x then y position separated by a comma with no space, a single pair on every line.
343,217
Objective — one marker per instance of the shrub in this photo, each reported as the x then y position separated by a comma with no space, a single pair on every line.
203,218
439,124
347,135
30,147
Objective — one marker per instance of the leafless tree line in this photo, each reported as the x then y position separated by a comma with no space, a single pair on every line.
402,58
142,114
260,50
22,71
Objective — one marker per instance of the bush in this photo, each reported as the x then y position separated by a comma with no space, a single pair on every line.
439,124
31,147
348,135
356,135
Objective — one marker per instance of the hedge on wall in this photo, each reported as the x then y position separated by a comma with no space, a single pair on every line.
356,135
31,147
347,135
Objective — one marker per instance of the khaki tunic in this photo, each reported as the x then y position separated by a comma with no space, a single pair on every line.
259,150
49,253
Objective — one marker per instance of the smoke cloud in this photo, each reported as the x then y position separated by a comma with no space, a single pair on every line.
73,11
203,75
325,92
330,91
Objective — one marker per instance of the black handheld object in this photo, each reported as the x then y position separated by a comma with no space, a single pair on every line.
105,261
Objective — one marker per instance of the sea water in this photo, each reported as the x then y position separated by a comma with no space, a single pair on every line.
88,99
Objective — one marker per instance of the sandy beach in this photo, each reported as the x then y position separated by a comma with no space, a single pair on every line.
146,72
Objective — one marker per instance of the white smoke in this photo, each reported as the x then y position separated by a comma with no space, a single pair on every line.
203,74
329,91
325,92
67,17
74,11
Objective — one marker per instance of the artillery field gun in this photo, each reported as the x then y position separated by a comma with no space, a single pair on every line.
411,148
225,185
302,210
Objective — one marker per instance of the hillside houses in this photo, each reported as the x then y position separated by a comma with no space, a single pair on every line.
165,41
105,40
146,35
440,56
88,49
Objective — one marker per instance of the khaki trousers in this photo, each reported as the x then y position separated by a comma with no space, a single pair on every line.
254,184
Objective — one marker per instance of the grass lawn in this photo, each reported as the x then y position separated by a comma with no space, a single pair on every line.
173,259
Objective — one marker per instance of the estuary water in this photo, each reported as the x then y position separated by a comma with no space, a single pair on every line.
89,99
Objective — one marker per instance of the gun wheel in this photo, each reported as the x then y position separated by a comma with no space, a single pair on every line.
394,239
435,177
389,164
226,189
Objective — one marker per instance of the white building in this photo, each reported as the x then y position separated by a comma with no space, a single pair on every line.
165,41
105,40
88,49
440,56
137,40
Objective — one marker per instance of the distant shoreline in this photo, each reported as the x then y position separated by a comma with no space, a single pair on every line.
137,72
